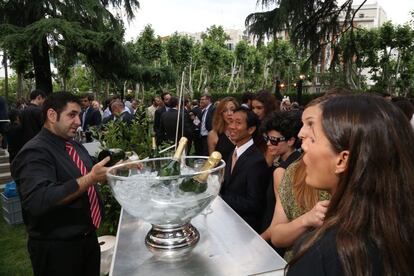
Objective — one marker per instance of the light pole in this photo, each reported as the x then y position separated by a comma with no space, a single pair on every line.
299,87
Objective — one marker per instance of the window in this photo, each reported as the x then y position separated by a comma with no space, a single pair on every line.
361,15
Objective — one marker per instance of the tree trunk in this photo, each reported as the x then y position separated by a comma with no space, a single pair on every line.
64,83
233,70
20,85
41,63
348,74
190,79
136,93
200,80
6,75
397,70
265,74
106,89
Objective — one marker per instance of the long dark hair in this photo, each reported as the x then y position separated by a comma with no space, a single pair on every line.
373,202
268,100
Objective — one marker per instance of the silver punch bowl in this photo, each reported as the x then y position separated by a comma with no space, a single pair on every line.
165,201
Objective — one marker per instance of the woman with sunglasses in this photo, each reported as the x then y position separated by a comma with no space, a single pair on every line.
360,149
297,208
218,138
280,132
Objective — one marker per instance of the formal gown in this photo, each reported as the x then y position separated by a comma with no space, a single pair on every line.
224,146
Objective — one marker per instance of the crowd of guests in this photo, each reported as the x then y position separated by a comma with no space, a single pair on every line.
329,186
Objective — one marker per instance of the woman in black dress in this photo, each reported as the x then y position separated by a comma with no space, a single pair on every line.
218,138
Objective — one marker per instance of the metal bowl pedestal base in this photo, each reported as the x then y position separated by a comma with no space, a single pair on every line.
172,242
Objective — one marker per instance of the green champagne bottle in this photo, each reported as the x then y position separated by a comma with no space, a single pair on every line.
198,184
173,166
115,154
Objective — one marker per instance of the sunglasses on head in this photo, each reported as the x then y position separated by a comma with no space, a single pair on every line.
273,140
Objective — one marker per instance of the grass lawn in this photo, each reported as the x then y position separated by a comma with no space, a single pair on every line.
14,258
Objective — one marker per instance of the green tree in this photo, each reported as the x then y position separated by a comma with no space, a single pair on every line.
312,24
217,35
83,26
387,52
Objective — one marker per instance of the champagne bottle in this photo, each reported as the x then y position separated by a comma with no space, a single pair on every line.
198,184
115,154
173,166
154,149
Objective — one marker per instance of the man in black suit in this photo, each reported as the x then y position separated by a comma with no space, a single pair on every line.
166,97
89,115
119,113
195,115
168,124
247,173
56,180
206,121
31,116
4,124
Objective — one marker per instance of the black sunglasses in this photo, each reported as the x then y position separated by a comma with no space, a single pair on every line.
273,140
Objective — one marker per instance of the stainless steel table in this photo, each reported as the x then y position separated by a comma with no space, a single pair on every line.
227,246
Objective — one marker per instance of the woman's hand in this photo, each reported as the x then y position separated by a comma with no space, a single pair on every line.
316,216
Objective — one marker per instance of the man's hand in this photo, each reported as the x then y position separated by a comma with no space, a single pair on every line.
98,172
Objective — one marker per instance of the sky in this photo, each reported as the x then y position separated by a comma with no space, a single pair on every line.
168,16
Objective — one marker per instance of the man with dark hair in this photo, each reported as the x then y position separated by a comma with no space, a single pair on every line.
247,99
206,121
165,97
31,117
56,179
168,124
247,174
89,115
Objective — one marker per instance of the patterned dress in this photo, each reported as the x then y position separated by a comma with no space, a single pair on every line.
287,198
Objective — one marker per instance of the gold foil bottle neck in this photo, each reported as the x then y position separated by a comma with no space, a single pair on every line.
213,160
180,148
154,143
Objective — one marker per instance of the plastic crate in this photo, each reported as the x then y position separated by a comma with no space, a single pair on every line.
11,204
12,209
13,217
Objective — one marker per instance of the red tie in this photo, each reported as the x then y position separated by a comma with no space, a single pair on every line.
93,198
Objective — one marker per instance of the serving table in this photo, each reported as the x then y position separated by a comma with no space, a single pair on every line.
227,246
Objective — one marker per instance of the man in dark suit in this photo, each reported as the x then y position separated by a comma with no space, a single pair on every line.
56,180
4,124
89,115
247,173
195,115
119,113
168,123
31,116
206,121
166,97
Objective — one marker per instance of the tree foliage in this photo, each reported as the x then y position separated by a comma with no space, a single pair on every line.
311,23
84,26
386,52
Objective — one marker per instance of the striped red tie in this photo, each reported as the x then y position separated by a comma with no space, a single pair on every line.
93,197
